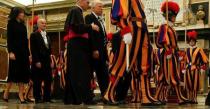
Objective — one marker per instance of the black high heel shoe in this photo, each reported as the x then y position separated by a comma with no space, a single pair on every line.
4,99
26,95
22,102
29,100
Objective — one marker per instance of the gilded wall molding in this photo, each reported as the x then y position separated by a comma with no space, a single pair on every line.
51,6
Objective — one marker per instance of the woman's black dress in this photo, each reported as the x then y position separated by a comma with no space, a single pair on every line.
17,42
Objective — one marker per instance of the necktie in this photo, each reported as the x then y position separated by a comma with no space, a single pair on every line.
103,27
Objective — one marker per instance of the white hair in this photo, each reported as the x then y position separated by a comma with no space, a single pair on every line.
40,20
95,2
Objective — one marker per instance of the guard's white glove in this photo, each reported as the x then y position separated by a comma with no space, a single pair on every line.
202,71
180,58
169,56
184,71
155,71
127,38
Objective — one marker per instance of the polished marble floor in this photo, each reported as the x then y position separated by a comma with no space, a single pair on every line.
13,104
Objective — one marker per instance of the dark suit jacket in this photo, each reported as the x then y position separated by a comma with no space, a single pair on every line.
40,52
97,38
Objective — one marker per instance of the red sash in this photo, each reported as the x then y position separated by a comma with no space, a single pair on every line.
72,34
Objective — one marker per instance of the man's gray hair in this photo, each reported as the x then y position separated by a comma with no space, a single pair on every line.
95,2
40,20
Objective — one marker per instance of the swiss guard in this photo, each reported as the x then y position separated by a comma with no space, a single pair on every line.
167,40
196,64
134,49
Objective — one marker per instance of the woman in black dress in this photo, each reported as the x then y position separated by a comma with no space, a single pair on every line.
17,43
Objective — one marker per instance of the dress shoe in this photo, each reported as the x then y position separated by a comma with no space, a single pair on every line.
122,102
187,101
37,101
163,102
90,102
193,102
22,102
30,100
147,104
106,102
182,103
157,103
49,101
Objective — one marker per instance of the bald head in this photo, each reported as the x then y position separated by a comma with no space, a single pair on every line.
41,23
84,4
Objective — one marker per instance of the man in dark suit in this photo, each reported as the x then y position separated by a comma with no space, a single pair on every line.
41,62
98,44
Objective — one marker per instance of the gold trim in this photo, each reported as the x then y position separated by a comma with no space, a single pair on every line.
53,5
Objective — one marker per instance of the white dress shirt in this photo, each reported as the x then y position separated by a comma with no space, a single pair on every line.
44,36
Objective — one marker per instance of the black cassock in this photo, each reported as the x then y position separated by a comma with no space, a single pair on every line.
78,76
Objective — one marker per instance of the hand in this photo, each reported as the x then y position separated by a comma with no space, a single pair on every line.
109,45
193,67
38,65
107,63
30,59
155,71
180,58
96,54
52,65
184,71
203,71
12,56
95,27
127,38
169,56
30,82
